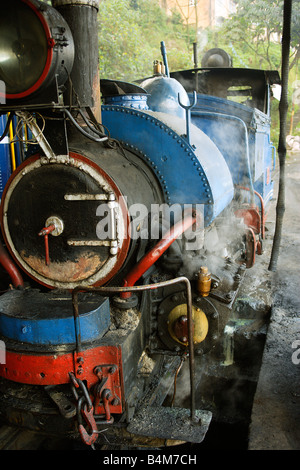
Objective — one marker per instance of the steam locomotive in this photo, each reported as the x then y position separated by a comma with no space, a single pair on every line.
127,224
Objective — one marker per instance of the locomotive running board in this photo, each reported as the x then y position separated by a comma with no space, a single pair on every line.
170,423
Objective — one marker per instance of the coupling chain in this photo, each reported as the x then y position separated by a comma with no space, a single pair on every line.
85,410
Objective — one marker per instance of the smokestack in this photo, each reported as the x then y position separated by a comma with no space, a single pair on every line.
81,16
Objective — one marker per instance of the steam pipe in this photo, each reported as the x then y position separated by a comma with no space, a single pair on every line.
11,269
81,130
262,209
44,233
114,290
164,56
152,256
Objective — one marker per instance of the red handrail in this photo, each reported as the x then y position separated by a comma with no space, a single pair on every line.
152,256
11,269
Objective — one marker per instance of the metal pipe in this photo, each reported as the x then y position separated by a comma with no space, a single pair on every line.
9,119
115,290
152,256
44,233
188,113
11,269
81,130
92,128
262,206
12,146
164,56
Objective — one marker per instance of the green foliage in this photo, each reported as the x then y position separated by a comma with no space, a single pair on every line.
122,51
252,36
255,33
130,33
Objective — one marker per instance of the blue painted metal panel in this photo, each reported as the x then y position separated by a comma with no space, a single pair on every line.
189,173
163,95
129,101
242,134
5,161
225,106
47,319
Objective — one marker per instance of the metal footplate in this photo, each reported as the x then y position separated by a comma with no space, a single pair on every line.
171,423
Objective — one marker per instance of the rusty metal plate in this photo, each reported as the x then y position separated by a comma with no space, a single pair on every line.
171,423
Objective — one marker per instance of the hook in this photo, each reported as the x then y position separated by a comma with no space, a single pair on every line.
88,439
188,113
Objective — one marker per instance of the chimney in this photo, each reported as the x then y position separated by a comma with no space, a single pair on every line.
81,16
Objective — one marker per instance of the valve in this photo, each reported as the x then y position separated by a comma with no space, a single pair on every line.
55,226
178,324
204,281
180,328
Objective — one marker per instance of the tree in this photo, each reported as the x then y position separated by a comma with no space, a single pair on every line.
255,29
130,33
123,52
